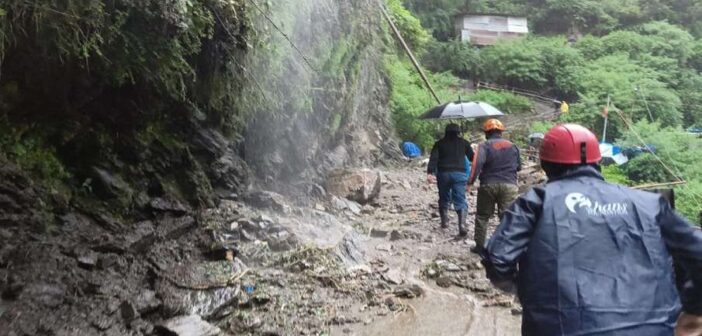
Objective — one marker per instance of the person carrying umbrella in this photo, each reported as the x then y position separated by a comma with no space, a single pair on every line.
447,168
496,164
594,258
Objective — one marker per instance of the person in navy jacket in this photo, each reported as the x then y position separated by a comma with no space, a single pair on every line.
592,258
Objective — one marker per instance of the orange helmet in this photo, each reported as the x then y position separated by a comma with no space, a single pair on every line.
493,125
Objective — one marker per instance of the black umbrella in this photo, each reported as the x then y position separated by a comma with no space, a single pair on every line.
462,110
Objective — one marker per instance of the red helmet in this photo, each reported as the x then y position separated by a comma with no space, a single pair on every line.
570,144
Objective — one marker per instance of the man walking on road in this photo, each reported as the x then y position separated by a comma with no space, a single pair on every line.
593,258
447,169
496,164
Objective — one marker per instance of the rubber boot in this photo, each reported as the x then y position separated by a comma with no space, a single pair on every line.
462,223
443,212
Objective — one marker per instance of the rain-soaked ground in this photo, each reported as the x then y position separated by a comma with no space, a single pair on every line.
381,269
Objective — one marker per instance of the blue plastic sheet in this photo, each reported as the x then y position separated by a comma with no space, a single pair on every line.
411,150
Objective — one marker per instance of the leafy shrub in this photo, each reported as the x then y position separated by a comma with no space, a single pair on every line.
541,126
408,25
614,174
513,64
679,151
458,57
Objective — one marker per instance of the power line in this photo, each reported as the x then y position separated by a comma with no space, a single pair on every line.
638,90
304,57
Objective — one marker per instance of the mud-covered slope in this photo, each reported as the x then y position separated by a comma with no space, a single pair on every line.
112,144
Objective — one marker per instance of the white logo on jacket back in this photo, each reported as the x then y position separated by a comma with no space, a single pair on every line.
577,201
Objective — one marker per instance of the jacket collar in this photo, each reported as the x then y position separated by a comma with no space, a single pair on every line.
580,171
493,137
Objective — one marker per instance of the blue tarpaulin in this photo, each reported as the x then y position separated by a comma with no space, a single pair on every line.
411,150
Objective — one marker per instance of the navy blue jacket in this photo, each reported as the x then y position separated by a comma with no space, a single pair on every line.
496,161
593,258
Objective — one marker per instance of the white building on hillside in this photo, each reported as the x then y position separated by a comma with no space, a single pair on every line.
487,29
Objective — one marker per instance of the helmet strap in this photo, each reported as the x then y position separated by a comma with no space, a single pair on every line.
583,152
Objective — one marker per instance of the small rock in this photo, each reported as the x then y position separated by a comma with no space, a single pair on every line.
106,261
233,226
384,247
394,277
392,303
448,266
254,323
249,225
367,210
409,291
451,267
141,326
358,270
267,200
191,325
354,207
431,272
263,218
147,302
396,235
444,282
247,236
160,204
320,207
516,311
338,204
128,311
88,260
377,233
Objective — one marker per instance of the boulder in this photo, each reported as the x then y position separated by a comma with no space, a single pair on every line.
361,185
267,200
191,325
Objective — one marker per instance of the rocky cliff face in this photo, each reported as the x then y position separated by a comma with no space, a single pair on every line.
100,247
328,93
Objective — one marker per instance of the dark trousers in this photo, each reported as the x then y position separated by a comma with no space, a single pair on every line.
491,196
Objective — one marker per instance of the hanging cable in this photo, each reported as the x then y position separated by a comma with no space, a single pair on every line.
304,57
630,125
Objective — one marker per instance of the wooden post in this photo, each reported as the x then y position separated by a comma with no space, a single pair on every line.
606,118
409,52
